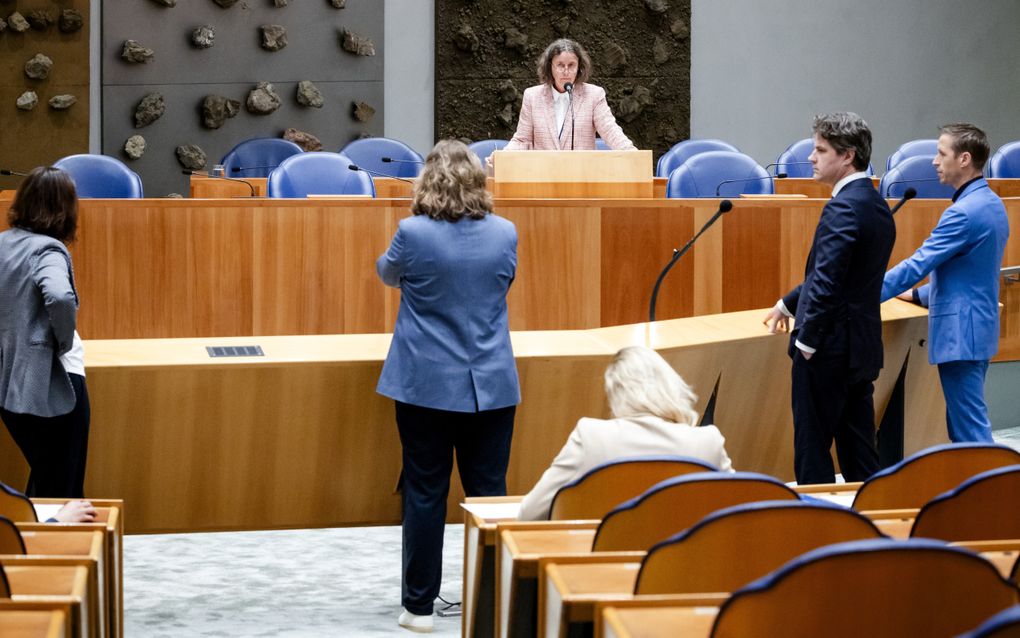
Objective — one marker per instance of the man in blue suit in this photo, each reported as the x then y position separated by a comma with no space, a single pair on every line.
836,345
963,254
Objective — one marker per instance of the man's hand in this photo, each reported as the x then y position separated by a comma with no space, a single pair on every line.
777,321
906,295
76,512
807,355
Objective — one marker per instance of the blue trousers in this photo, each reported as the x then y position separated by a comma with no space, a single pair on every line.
963,384
429,438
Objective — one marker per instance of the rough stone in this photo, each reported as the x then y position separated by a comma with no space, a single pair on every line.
39,19
216,109
18,23
3,25
362,111
616,57
70,21
309,95
660,51
356,44
561,25
226,4
305,140
657,6
508,93
515,40
62,102
134,147
150,109
632,105
280,3
465,39
135,53
203,36
274,37
166,3
262,100
191,156
338,4
39,67
680,29
27,100
506,115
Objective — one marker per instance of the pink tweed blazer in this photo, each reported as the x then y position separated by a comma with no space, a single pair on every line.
536,128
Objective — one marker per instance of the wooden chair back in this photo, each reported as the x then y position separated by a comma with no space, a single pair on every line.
10,538
604,487
916,480
5,587
1005,624
678,503
984,507
732,547
876,588
16,506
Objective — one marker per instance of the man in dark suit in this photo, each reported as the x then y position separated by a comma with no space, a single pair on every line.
836,345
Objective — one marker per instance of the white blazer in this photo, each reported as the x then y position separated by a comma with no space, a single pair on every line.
595,441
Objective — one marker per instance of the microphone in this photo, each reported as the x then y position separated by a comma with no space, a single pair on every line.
725,206
229,179
355,167
888,188
388,160
746,179
9,172
778,164
569,88
908,194
238,169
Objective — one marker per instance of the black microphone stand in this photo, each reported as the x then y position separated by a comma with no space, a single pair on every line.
355,167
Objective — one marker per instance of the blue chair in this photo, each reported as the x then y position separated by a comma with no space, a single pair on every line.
1005,164
879,588
600,144
914,172
484,148
101,176
911,149
984,507
683,151
258,156
318,174
718,174
1005,624
370,151
794,160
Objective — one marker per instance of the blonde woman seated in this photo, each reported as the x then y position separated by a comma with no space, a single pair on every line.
653,413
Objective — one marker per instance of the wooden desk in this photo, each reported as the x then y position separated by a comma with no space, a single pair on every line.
64,587
34,624
656,622
202,187
77,545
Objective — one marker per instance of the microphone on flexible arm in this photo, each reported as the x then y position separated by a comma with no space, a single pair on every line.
569,88
238,169
355,167
388,160
229,179
746,179
11,172
908,195
778,164
725,206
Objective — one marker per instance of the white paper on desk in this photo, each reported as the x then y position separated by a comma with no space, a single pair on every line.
493,511
845,499
45,512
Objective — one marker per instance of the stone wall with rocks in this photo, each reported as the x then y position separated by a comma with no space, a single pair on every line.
186,80
486,52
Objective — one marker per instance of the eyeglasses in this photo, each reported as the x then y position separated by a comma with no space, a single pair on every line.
563,68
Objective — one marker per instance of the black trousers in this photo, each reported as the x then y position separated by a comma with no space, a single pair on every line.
55,447
831,401
429,438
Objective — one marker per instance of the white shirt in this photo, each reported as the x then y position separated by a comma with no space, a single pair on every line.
561,104
74,359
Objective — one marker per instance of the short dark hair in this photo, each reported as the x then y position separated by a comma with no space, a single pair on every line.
846,131
452,184
46,203
968,138
563,45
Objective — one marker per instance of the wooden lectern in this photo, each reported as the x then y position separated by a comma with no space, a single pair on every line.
573,174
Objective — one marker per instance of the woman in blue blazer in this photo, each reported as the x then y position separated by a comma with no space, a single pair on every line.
450,367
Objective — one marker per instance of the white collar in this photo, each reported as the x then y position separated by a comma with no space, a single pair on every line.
846,180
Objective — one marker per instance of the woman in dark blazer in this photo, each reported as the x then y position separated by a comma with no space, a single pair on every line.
43,399
450,367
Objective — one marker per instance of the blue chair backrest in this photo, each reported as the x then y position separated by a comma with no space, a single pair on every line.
794,160
257,157
370,151
683,151
911,149
704,175
101,176
600,144
915,172
484,148
318,173
1004,624
1005,164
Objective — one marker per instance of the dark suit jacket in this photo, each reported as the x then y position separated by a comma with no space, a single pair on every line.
837,307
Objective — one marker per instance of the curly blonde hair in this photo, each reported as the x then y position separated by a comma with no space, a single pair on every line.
640,382
452,184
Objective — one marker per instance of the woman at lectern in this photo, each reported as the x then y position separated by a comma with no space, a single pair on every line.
450,367
43,399
564,112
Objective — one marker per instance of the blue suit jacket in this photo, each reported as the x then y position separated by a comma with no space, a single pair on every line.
963,255
837,307
451,344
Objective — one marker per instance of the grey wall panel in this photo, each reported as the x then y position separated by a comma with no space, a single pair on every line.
410,72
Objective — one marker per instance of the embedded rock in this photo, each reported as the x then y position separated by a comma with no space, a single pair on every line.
226,4
338,4
70,21
39,19
508,93
39,67
262,100
62,102
305,140
216,109
362,111
134,147
3,25
274,37
657,6
280,3
660,51
191,156
465,39
561,25
506,116
514,39
166,3
680,30
27,101
356,44
203,36
18,23
309,95
616,56
632,105
135,53
174,196
150,109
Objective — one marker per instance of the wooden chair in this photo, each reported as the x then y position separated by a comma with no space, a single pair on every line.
984,507
10,538
732,547
877,588
1005,624
921,477
16,506
605,486
52,587
677,503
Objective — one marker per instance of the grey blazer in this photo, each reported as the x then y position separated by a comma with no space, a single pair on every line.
38,312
